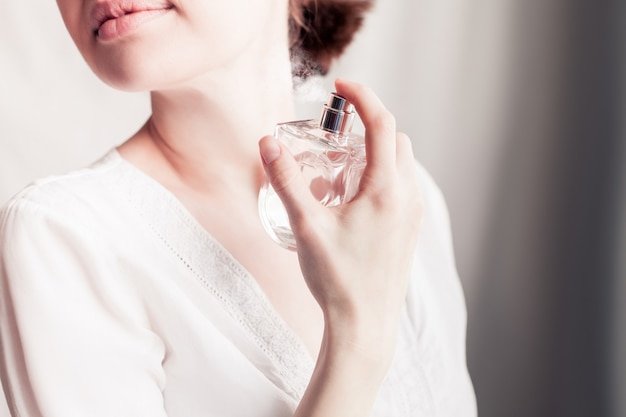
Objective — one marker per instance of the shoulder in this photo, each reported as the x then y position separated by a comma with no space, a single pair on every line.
60,232
436,289
72,195
434,199
435,253
58,215
436,230
65,189
435,276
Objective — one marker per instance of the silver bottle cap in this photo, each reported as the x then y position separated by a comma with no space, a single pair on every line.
337,115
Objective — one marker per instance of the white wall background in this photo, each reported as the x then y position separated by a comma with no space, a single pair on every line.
454,72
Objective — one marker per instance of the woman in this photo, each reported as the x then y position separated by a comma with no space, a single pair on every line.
145,285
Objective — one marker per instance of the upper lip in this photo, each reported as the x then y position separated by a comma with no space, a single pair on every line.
106,10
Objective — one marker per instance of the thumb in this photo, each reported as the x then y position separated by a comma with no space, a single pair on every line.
285,177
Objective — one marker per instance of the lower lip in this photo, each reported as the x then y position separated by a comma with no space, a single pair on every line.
122,26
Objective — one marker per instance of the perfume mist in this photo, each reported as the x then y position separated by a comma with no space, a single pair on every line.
331,159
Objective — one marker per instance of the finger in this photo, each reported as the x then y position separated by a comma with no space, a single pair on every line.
283,173
380,125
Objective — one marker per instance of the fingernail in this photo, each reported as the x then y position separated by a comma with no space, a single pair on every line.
269,150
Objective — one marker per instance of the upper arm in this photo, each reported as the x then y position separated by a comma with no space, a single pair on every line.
72,342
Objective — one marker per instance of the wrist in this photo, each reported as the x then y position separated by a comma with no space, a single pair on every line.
369,343
347,377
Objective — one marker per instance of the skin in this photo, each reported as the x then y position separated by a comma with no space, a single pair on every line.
215,91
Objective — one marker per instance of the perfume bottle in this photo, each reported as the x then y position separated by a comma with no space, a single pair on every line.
331,159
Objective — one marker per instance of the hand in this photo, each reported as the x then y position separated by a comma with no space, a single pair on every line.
356,257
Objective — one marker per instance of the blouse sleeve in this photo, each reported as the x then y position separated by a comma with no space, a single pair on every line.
72,339
439,304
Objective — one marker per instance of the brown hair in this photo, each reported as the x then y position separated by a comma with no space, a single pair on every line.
320,31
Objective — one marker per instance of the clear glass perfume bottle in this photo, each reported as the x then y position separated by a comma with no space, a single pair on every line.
331,159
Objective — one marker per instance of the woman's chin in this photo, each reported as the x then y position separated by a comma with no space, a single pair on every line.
134,78
126,81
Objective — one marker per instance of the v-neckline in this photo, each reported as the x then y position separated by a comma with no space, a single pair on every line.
236,289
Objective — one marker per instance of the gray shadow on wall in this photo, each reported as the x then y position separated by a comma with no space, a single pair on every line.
544,325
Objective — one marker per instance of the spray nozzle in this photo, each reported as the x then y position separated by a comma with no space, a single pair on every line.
337,115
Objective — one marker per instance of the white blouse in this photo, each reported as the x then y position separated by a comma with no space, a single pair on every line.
114,301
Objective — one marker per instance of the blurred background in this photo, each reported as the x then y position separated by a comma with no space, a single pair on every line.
517,109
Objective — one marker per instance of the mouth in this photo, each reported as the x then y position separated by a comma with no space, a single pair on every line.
105,15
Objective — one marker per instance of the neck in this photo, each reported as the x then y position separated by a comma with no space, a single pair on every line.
206,131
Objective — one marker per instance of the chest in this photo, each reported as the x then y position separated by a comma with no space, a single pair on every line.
275,270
